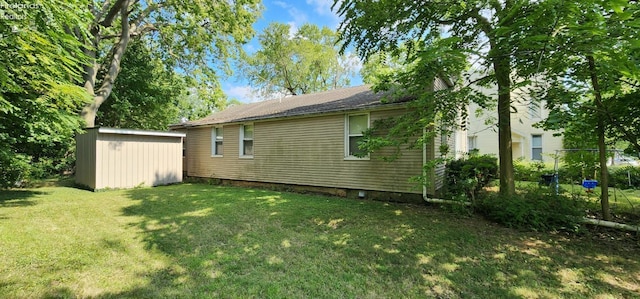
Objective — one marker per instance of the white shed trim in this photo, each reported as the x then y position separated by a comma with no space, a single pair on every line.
139,132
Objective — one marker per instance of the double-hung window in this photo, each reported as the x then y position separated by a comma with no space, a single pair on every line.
216,142
536,147
246,141
356,124
472,142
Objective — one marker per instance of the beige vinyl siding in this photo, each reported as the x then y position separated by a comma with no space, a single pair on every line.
439,84
303,151
123,160
227,166
439,170
86,159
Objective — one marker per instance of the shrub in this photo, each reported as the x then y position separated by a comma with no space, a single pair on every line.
14,169
570,174
468,176
529,171
620,177
538,209
20,170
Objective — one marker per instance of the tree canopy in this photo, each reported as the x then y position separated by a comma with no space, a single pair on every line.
303,62
592,67
61,57
196,37
40,68
492,36
583,60
147,94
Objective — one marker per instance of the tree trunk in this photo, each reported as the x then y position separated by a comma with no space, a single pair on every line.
505,151
602,146
89,111
604,177
101,95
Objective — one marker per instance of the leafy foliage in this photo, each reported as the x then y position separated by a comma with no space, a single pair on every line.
304,62
538,209
496,36
468,176
593,57
147,95
40,68
198,38
437,109
530,171
625,177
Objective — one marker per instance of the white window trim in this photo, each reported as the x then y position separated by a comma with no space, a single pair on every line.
346,137
213,141
536,147
241,141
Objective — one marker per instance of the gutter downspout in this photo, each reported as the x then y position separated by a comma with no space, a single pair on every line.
424,162
447,80
424,175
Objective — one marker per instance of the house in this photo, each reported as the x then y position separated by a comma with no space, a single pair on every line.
307,141
529,143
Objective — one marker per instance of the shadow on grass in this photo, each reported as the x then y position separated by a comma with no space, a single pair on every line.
18,198
232,242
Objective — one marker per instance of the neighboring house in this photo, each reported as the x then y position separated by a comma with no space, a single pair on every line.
306,140
528,143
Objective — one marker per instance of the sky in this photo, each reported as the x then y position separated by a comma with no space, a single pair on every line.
294,13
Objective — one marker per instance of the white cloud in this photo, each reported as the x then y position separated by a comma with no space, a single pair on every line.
352,61
293,29
250,48
298,17
281,4
322,7
245,94
242,93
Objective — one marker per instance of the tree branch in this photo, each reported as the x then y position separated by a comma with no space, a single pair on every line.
632,84
146,12
98,14
113,12
118,51
140,30
461,18
483,23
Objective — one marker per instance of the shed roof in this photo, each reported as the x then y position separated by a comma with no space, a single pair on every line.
343,99
105,130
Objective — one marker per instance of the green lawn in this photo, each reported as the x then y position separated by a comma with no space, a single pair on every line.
197,240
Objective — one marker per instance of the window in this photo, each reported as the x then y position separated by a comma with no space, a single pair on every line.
536,147
472,142
184,147
216,142
356,125
534,110
246,141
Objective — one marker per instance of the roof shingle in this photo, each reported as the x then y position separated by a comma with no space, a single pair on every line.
344,99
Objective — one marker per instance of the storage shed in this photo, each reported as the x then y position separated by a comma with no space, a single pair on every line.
124,158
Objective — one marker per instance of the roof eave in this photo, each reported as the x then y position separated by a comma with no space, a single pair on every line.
302,115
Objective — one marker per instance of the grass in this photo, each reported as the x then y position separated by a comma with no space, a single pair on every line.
196,240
